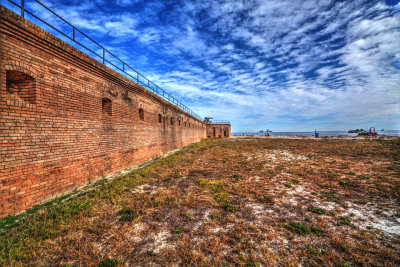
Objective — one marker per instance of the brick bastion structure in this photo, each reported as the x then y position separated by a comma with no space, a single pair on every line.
66,119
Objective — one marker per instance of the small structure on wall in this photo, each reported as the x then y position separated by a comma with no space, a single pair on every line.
217,128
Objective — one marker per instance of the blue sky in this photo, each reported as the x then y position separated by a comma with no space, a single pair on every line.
283,65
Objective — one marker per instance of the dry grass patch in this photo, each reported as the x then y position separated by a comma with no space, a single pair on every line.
247,201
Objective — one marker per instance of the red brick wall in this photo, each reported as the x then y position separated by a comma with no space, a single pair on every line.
218,130
56,131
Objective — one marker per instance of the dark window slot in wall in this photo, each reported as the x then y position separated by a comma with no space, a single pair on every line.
141,114
106,106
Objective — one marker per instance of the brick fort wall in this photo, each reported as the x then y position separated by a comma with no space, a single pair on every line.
66,119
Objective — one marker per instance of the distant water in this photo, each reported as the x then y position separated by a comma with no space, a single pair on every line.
322,133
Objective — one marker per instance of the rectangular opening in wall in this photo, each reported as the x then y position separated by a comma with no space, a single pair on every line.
20,87
106,107
141,114
159,118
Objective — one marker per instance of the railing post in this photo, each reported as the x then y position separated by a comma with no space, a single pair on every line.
123,66
73,32
137,77
104,55
22,8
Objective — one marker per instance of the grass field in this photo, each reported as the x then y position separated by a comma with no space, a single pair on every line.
237,201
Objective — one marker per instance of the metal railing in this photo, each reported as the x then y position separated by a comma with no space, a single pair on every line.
137,77
218,122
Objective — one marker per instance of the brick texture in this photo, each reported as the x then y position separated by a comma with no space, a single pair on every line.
66,119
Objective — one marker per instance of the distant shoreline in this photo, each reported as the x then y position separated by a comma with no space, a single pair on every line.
311,133
343,137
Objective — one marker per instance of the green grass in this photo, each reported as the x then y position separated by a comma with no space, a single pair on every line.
213,216
363,177
177,230
288,185
296,227
327,195
315,251
360,202
303,229
14,220
188,215
228,207
221,197
236,176
109,263
295,181
344,220
347,184
316,230
330,175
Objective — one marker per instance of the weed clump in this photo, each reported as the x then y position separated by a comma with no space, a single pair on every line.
177,230
212,185
297,228
127,215
363,177
347,184
221,197
360,202
288,185
228,207
213,216
236,176
315,251
330,175
302,229
266,199
188,215
344,220
316,230
109,263
316,210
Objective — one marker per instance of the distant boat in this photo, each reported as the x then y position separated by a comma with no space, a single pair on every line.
262,131
382,130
